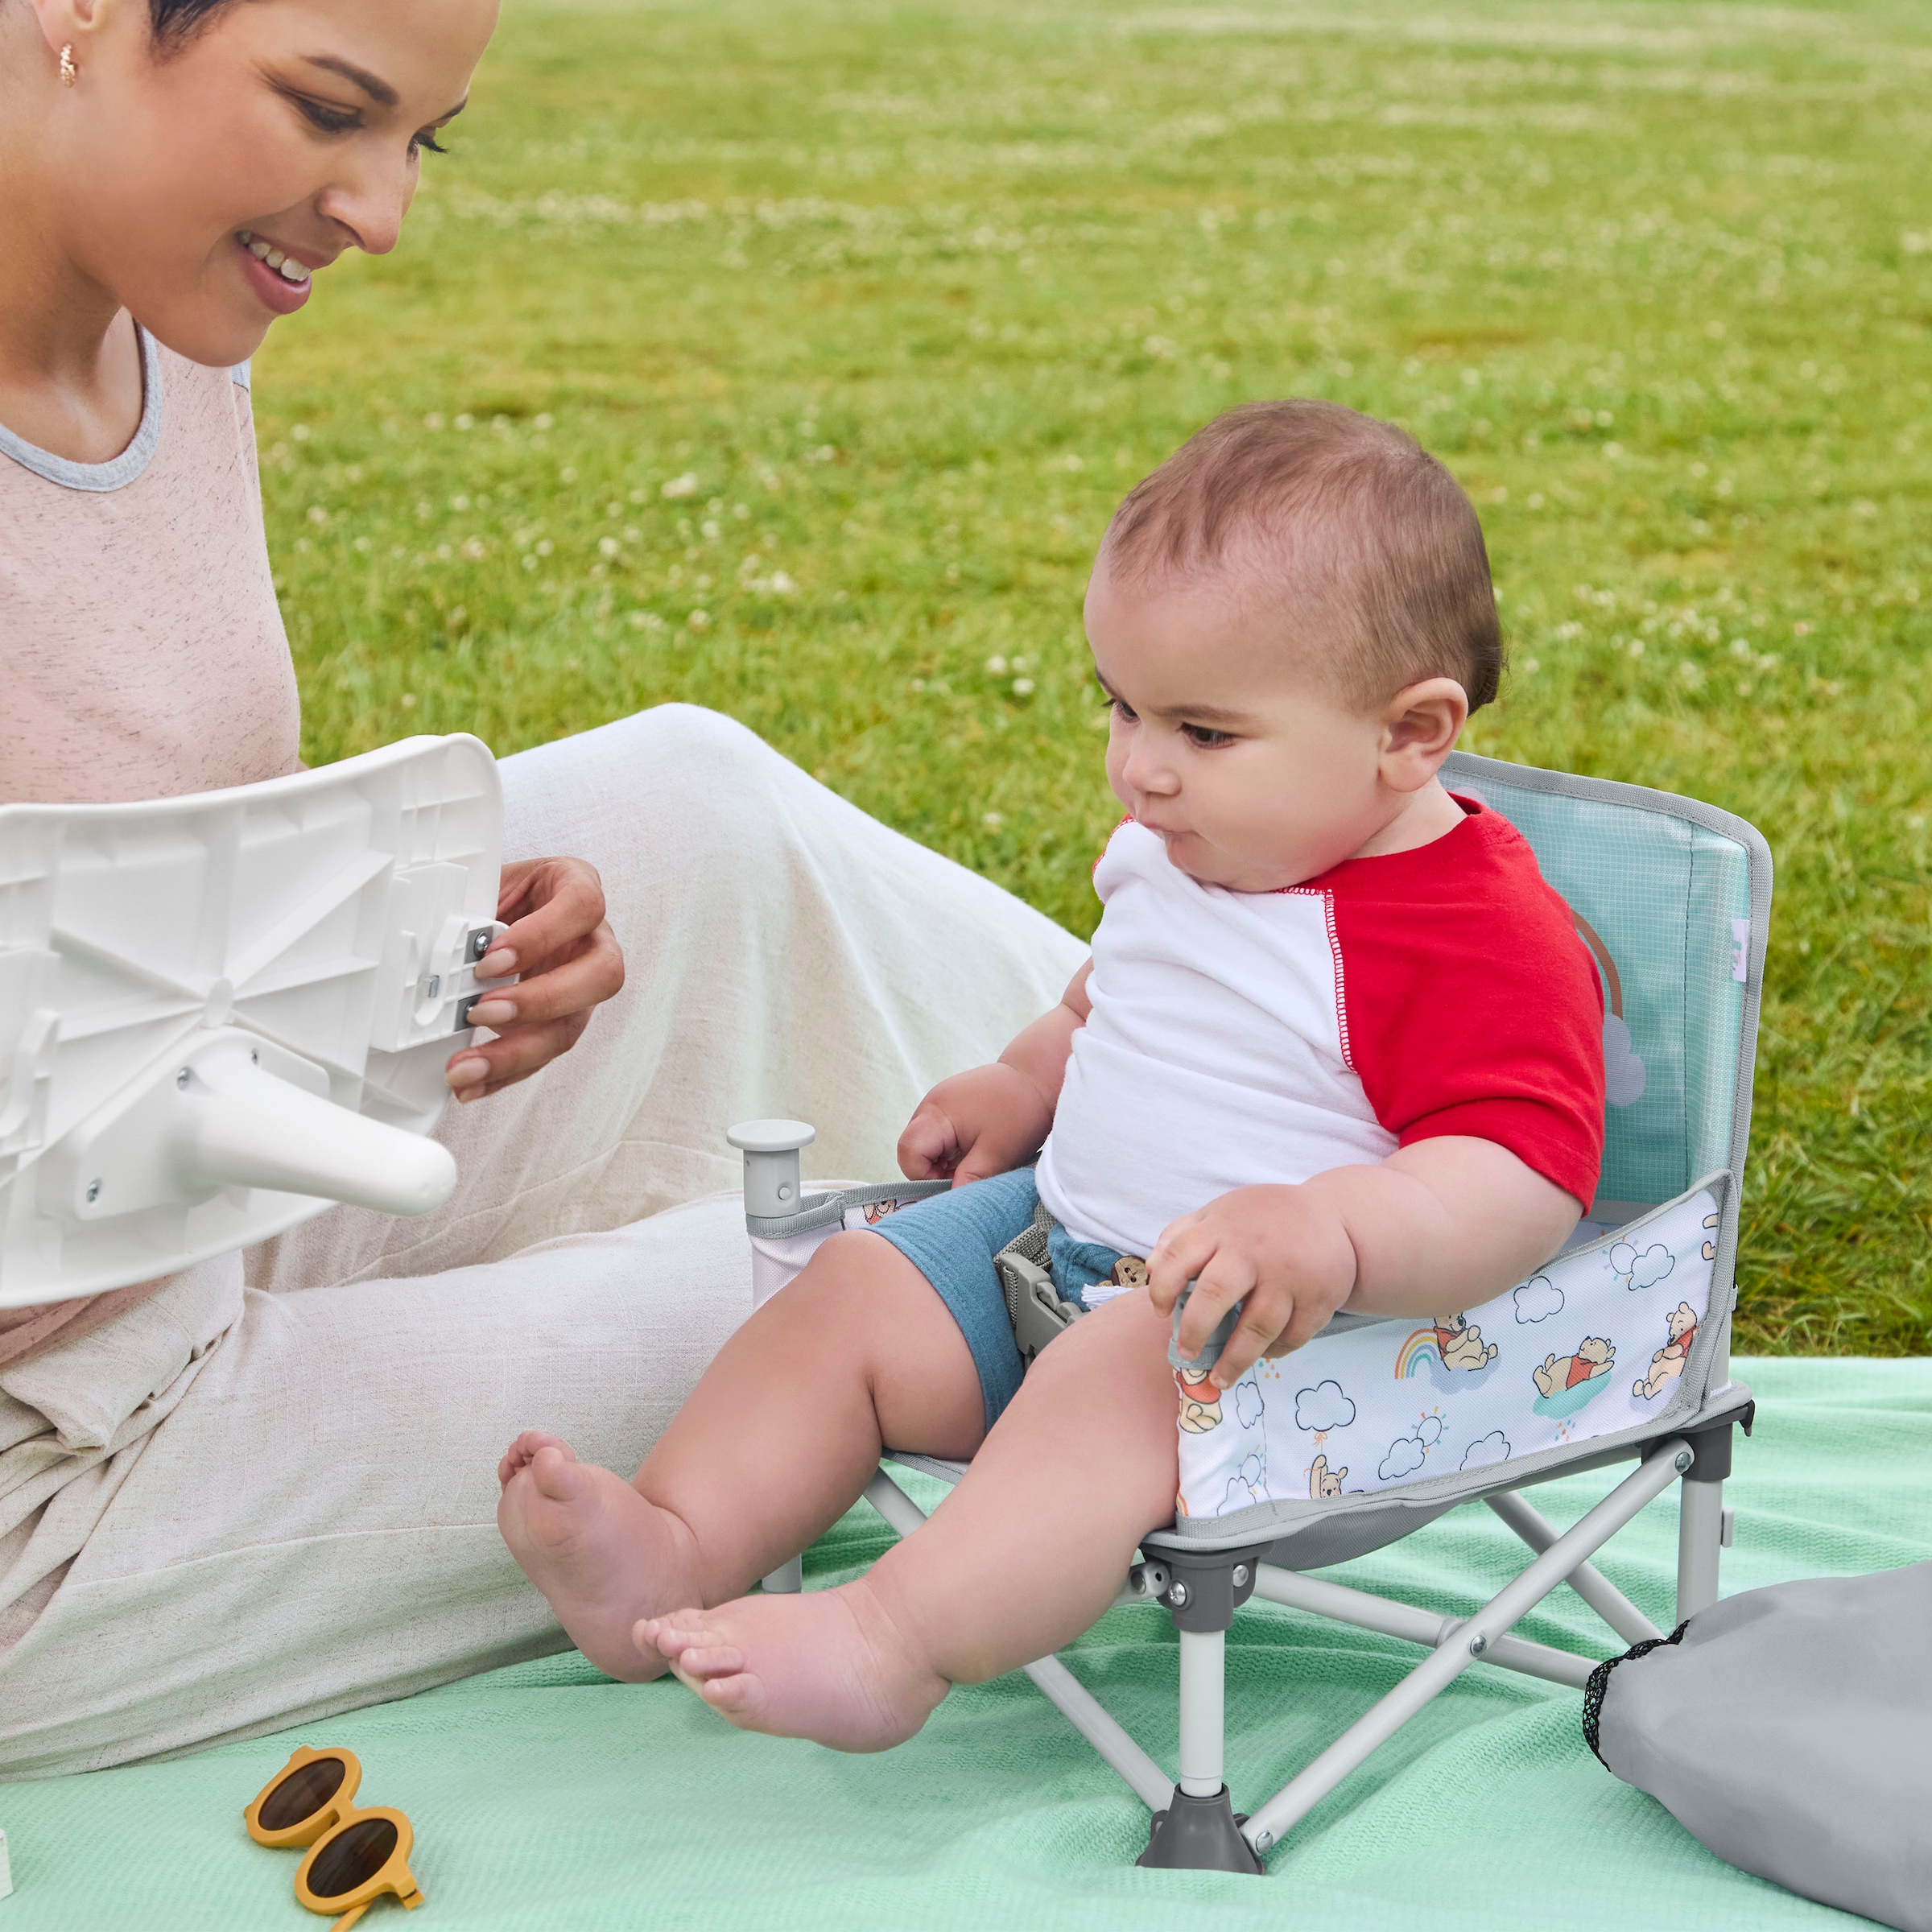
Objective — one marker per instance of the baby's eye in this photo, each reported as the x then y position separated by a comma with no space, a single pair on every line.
1200,735
1123,709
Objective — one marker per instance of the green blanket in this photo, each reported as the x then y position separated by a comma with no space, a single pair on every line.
545,1796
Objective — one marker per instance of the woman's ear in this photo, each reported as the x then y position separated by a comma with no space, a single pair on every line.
1420,727
67,23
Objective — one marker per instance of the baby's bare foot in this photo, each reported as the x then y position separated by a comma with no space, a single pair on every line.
599,1552
831,1666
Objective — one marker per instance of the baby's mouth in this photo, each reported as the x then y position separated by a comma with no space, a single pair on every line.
287,266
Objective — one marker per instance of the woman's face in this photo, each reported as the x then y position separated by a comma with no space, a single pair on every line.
291,125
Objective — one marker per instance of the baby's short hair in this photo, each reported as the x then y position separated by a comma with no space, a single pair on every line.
1360,524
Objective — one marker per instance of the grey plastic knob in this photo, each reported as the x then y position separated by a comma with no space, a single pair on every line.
772,1186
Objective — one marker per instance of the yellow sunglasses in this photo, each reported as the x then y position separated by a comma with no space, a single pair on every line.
354,1856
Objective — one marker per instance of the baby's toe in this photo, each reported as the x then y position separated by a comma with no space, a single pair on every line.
707,1658
738,1697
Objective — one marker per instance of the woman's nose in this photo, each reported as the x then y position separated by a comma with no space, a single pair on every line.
369,199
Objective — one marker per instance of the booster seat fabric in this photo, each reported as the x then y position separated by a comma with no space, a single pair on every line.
1593,1344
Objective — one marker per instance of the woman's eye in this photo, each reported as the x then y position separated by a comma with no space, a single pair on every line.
331,120
1200,735
426,142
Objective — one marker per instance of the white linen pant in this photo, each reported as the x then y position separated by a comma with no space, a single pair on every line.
268,1492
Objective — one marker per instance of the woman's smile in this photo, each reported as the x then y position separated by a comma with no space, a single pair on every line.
277,278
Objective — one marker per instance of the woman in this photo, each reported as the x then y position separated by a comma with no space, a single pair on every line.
264,1490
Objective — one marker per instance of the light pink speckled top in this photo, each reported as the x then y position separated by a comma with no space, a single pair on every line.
141,654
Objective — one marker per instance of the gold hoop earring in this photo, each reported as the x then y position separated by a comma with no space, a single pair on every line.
68,70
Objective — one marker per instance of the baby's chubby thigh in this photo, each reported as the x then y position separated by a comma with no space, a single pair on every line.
1096,1412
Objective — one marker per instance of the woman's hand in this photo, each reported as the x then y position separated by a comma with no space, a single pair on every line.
980,1122
559,941
1283,1252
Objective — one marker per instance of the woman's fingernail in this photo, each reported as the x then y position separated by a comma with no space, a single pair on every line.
498,965
492,1013
469,1073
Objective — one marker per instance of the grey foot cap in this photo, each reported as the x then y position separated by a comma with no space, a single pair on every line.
1198,1834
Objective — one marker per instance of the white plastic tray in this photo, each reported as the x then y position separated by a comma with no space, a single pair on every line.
221,1013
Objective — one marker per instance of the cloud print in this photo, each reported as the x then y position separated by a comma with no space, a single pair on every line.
1407,1453
1323,1406
1494,1447
1642,1271
1537,1299
1624,1075
1247,1403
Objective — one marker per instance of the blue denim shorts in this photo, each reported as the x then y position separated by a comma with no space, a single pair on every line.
952,1238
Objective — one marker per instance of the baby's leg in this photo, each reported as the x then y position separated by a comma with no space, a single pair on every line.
776,1442
1021,1557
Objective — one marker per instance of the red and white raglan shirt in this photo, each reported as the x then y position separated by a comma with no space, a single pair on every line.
1242,1039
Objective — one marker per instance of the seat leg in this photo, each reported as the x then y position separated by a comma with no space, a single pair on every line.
1199,1831
1700,1521
788,1580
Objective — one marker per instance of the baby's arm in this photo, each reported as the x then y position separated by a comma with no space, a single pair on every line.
994,1118
1438,1227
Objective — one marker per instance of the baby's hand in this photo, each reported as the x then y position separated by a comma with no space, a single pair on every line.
1283,1252
982,1122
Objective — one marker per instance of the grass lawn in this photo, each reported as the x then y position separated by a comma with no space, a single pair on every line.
789,358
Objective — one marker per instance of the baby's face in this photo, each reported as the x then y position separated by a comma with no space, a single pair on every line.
1255,773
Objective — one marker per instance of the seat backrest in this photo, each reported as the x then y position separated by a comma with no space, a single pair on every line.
1673,898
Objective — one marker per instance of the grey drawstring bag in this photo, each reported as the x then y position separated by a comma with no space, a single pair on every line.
1789,1731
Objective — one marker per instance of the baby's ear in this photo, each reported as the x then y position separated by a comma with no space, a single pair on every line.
1420,726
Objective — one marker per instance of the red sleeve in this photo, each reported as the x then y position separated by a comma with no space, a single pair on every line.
1472,1007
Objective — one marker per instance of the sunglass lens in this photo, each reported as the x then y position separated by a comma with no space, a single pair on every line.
302,1793
352,1857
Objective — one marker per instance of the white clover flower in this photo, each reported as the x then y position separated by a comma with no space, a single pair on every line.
699,619
300,432
1022,687
544,547
433,420
991,820
997,667
781,584
607,546
543,420
459,502
567,473
475,549
466,422
709,528
317,513
632,533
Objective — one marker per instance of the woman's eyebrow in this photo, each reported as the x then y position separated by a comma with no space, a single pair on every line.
377,89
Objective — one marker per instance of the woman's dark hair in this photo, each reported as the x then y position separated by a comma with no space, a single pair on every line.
175,20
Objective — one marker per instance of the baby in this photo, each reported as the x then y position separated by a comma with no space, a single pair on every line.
1337,1046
